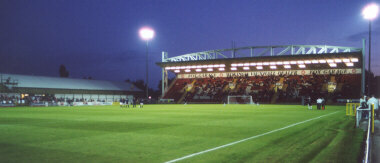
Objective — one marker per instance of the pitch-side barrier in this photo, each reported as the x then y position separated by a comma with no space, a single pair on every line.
370,128
351,109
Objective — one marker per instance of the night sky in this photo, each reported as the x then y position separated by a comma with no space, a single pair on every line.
99,38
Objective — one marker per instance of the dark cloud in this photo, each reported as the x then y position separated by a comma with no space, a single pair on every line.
358,36
99,38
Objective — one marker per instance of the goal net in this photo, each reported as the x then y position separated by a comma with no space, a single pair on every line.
240,99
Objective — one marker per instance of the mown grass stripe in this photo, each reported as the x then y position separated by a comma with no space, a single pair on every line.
242,140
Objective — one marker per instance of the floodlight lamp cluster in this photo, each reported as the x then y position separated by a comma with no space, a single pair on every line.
146,33
349,62
197,68
371,11
333,62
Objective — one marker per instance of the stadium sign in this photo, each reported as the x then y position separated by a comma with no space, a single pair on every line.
270,73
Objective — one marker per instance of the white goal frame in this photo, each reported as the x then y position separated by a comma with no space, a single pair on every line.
240,96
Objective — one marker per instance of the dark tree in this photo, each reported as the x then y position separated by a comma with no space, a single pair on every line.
63,71
139,84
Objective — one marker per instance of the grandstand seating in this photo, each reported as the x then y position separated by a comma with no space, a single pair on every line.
268,89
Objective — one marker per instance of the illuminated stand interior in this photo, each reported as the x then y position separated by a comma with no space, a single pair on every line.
195,62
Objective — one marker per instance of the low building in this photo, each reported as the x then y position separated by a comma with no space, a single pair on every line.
61,89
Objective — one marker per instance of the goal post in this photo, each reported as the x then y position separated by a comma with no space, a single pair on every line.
243,99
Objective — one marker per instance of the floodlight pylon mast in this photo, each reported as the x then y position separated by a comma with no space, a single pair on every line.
363,70
147,76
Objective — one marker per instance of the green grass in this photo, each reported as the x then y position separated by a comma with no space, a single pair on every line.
159,133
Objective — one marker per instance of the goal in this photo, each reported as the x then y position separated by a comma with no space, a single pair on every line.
244,99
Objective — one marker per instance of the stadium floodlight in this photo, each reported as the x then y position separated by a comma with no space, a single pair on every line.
182,67
322,61
187,70
349,64
204,66
222,65
259,64
332,64
233,68
234,64
198,70
301,66
287,66
245,68
300,62
314,61
259,67
266,63
193,66
177,67
221,69
272,63
252,64
147,34
293,62
188,67
286,62
216,65
354,60
345,60
338,60
273,67
177,71
246,64
240,64
167,68
210,69
330,61
370,11
307,62
199,66
210,66
279,63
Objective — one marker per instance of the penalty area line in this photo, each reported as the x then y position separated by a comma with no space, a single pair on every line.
242,140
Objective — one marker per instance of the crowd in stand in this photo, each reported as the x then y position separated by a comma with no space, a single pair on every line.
78,100
4,99
11,99
263,88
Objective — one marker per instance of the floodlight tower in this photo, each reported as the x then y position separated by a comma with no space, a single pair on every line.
146,34
370,13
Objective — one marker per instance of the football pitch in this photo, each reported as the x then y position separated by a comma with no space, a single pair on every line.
183,133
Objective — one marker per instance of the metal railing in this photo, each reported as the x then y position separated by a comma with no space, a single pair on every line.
370,129
368,141
256,51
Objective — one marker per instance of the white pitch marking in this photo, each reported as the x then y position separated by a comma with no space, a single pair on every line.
239,141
